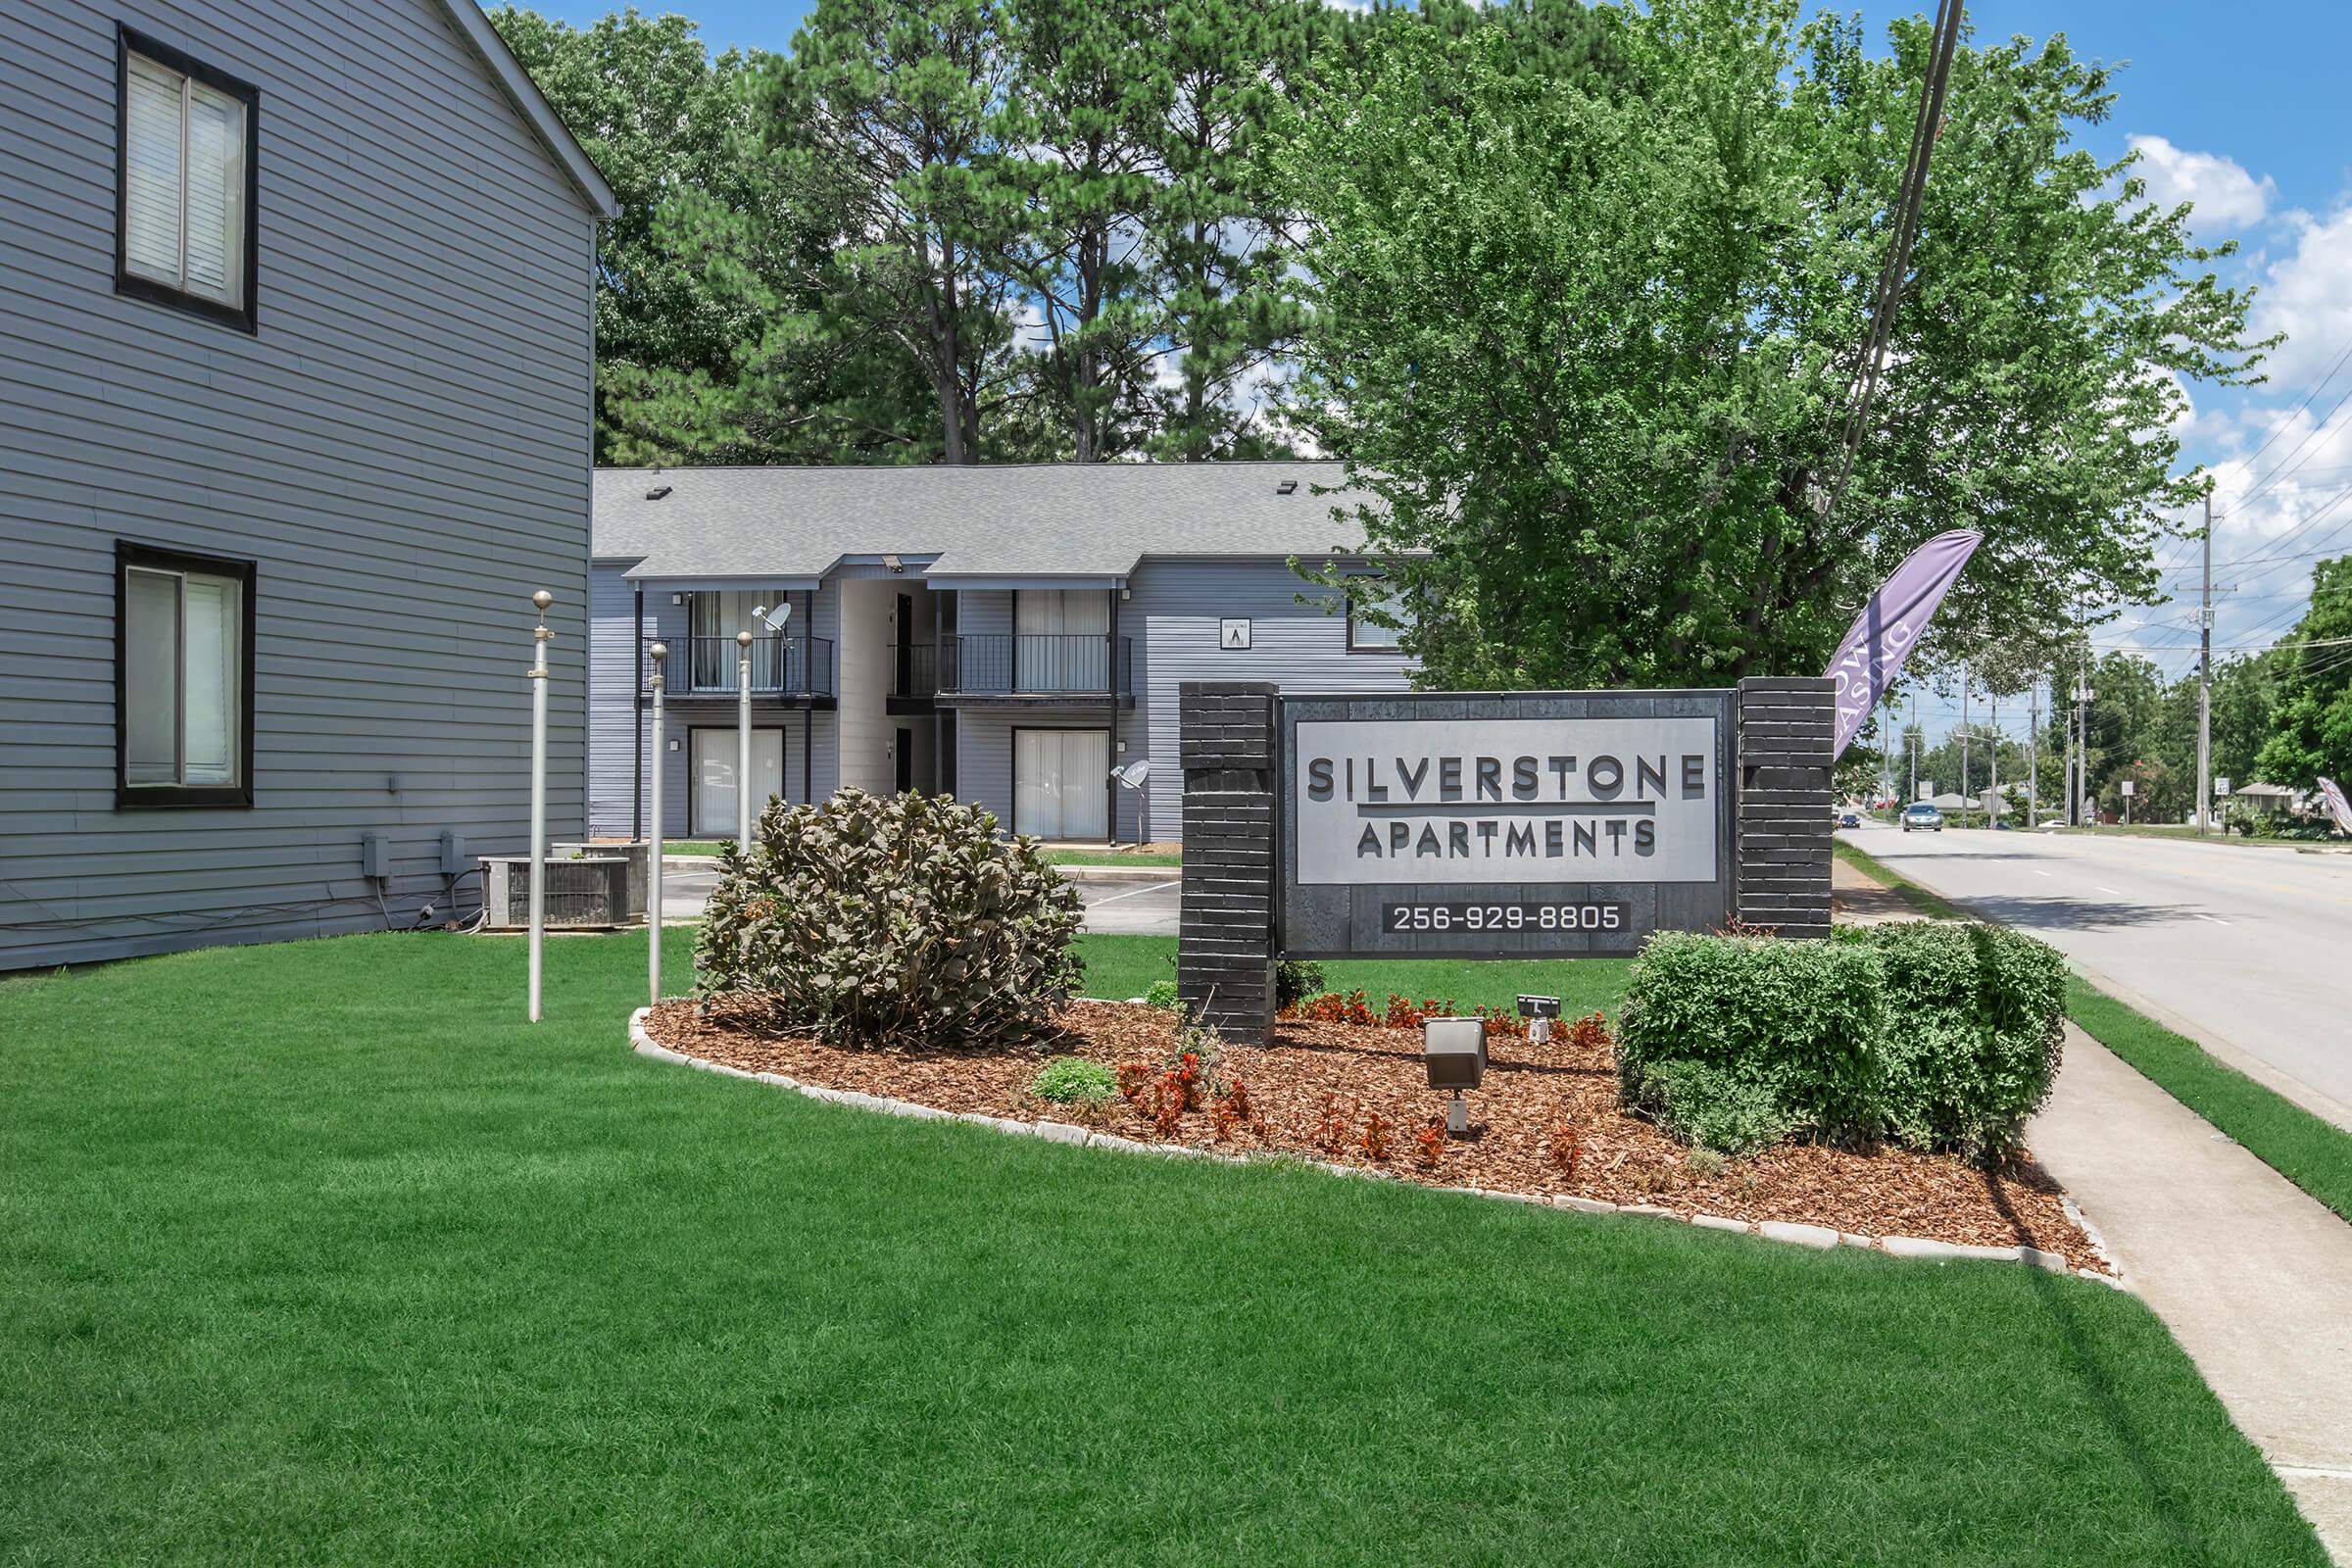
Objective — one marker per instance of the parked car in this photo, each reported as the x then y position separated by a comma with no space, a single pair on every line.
1923,816
1849,819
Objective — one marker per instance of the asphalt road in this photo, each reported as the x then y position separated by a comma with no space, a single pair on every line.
2246,949
1140,907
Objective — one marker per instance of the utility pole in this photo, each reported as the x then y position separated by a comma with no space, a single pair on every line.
1912,737
2033,753
2082,741
1992,749
1964,772
2205,682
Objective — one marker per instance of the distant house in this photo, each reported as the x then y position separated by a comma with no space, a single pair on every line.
1009,635
296,356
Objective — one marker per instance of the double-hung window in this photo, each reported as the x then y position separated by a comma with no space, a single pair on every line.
1365,635
184,678
184,182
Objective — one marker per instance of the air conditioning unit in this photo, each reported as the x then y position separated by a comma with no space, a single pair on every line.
588,894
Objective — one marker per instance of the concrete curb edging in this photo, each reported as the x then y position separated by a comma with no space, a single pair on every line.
1789,1233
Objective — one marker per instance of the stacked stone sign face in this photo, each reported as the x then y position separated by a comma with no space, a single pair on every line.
1489,825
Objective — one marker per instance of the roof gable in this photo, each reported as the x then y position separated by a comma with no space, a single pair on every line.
530,104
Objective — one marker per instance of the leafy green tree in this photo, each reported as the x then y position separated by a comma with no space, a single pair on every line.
882,119
2313,735
1080,174
1216,241
1591,344
656,113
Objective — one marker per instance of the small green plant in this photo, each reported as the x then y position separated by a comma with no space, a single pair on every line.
1295,980
1074,1080
1706,1163
1161,995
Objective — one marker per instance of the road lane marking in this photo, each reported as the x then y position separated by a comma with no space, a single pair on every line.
2111,893
2215,919
2039,872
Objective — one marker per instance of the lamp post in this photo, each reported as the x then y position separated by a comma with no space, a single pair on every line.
538,939
1454,1050
653,853
742,743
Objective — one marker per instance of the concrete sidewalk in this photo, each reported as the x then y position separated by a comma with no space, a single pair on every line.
2251,1274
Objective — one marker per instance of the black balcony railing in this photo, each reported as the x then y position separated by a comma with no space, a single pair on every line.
781,667
915,669
1026,664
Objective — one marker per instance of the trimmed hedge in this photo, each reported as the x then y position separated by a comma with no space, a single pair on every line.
1930,1036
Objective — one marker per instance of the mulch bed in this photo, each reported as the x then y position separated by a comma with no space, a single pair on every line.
1316,1090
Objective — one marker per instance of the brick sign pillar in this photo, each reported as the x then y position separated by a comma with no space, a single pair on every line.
1785,730
1225,953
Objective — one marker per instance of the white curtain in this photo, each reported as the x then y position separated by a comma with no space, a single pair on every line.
151,679
211,694
1059,783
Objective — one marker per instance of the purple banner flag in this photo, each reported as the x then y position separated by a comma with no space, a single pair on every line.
2338,806
1883,635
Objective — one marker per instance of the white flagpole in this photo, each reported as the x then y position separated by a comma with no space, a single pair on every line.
539,639
653,853
742,743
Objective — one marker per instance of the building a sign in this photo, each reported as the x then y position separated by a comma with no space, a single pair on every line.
1513,826
1517,825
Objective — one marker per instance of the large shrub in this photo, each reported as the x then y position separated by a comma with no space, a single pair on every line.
892,921
1934,1036
1798,1025
1974,1033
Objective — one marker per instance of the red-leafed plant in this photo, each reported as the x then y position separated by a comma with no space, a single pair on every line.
1190,1081
1236,1098
1378,1143
1589,1033
1167,1105
1566,1149
1134,1078
1429,1144
1330,1130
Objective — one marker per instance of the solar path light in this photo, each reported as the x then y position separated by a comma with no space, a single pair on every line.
1456,1053
1540,1012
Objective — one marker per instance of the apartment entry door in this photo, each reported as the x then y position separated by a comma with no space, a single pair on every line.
713,780
1061,783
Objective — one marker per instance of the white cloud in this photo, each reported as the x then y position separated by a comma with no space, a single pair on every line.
2226,196
2307,294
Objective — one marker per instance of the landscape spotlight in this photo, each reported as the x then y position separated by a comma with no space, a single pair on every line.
1456,1053
1540,1012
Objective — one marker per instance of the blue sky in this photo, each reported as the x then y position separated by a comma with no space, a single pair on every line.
2241,109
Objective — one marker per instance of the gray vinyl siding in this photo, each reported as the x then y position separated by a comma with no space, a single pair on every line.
402,449
614,749
1174,613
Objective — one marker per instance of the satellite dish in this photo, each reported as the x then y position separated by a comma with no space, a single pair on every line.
774,619
1134,773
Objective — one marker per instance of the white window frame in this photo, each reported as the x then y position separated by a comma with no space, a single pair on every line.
1365,637
233,302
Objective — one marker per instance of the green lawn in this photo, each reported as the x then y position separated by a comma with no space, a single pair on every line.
1119,967
316,1252
1110,857
2315,1154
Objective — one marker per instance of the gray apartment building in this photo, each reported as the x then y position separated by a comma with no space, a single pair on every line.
296,356
1009,635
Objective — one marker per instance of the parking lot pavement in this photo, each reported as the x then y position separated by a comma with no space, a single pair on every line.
1131,908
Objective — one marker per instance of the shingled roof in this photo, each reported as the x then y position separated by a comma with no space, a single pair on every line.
1085,521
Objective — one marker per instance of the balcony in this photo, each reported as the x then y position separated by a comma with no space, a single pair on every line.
1038,666
915,669
781,667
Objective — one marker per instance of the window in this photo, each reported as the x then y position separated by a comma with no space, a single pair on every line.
186,182
1363,635
183,679
1061,783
